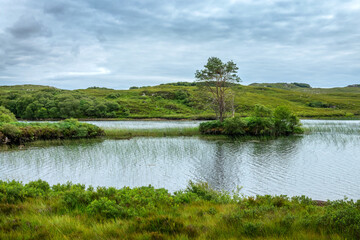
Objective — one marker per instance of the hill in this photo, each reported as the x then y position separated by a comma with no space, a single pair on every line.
282,85
174,101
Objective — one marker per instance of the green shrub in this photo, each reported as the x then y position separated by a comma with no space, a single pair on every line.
211,127
37,188
77,197
318,104
205,192
262,111
6,115
253,229
234,126
302,85
11,131
143,200
260,126
12,192
67,129
185,197
285,122
263,122
104,208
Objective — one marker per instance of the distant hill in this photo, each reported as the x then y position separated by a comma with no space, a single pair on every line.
175,101
282,85
354,85
26,87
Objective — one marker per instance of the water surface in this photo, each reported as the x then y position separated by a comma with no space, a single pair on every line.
323,164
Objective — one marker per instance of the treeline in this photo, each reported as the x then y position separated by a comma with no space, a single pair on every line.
37,210
59,104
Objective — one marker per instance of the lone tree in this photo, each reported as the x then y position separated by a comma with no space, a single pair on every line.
217,77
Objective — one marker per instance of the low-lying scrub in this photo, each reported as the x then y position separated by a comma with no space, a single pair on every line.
20,132
68,211
263,122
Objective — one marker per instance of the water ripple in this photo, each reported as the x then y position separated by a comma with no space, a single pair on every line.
322,164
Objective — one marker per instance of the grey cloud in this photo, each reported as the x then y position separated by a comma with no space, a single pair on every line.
271,40
28,26
55,8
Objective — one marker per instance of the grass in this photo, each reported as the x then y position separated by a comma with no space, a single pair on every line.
115,133
330,127
68,211
185,102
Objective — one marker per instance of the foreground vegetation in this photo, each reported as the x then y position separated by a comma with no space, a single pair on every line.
175,101
38,211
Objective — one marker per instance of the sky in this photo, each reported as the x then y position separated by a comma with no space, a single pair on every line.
121,43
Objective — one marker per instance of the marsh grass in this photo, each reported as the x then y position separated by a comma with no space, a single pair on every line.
50,143
115,133
36,211
333,127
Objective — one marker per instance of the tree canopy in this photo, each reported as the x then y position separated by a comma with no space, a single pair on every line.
217,77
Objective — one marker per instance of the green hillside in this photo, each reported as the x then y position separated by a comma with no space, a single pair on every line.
174,101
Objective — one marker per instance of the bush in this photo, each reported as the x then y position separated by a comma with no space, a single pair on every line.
302,85
285,122
37,188
318,104
262,111
205,192
10,131
211,127
234,126
104,208
260,126
67,129
6,116
263,122
77,197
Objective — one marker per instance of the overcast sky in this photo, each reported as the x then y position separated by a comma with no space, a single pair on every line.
77,44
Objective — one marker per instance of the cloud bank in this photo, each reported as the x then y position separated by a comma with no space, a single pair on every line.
118,44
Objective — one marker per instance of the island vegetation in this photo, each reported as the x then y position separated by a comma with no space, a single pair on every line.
14,132
263,122
37,210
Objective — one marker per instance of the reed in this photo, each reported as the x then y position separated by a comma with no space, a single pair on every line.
114,133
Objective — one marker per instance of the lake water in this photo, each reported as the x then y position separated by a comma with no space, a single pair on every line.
323,164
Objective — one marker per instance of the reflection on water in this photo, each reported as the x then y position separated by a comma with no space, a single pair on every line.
320,164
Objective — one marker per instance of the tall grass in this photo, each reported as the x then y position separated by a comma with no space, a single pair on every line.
38,211
333,127
115,133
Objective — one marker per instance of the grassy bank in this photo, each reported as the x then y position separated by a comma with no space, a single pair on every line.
68,211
